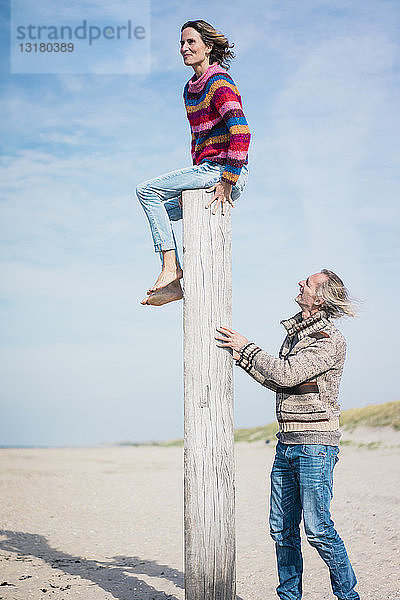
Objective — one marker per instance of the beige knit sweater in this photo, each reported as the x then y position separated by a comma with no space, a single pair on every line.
305,377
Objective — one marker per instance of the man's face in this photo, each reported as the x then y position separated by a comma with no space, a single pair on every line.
307,298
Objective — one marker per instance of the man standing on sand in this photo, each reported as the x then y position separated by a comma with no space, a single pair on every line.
306,380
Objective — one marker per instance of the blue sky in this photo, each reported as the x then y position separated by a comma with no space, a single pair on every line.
81,360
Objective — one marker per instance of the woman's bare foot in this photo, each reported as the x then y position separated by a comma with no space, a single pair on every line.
166,277
169,293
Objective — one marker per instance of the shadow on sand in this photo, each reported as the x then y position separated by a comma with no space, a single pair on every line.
116,576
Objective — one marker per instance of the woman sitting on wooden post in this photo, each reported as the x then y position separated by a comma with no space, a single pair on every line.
220,141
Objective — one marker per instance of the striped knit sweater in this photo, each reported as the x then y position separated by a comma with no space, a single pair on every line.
219,128
305,377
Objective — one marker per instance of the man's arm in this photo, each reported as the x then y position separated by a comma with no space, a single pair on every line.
313,360
242,351
244,361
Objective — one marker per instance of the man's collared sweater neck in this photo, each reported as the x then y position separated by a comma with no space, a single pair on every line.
296,325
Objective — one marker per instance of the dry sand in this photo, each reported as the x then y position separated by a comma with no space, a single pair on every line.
106,523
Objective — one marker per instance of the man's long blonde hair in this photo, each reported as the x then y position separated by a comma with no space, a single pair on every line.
337,301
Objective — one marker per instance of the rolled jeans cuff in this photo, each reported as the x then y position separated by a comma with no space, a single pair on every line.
163,247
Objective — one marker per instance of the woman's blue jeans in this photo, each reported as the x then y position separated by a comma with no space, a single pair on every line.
160,197
302,483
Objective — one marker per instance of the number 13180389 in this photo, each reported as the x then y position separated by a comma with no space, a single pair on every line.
47,47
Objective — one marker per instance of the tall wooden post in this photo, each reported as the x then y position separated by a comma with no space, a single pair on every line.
209,493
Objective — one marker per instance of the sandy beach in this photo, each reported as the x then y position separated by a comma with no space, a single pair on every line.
105,523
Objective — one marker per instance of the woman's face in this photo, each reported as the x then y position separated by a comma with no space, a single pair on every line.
194,51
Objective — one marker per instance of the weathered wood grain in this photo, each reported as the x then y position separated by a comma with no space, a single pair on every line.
209,456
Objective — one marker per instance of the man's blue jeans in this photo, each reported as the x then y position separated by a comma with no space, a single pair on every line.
302,483
159,197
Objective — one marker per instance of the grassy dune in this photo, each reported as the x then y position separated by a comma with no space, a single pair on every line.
374,415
